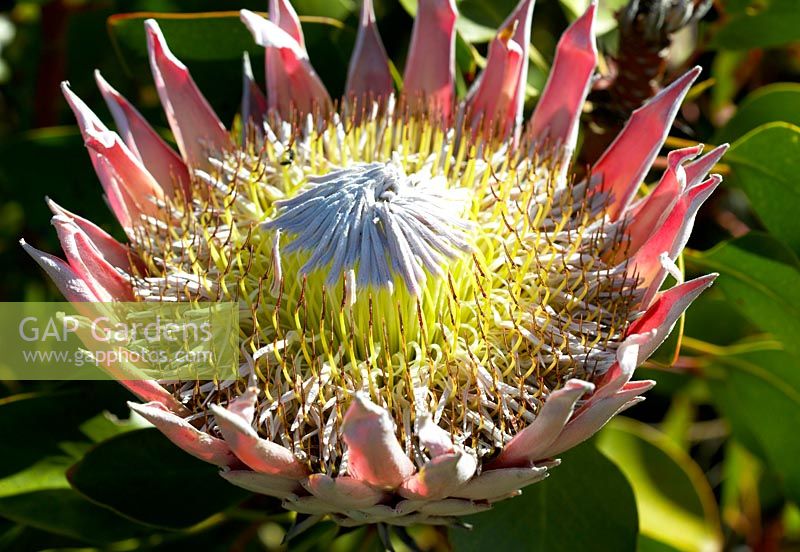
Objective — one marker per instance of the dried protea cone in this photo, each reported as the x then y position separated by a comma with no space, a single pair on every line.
638,69
433,307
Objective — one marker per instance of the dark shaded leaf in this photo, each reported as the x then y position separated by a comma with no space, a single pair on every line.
145,477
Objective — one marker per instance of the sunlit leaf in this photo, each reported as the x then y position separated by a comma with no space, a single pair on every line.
776,102
585,504
765,164
675,502
759,392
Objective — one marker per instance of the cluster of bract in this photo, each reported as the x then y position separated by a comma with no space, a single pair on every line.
432,305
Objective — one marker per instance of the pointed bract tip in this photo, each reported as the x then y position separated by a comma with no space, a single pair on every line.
157,46
575,384
672,95
269,35
247,67
588,17
282,13
680,86
105,88
367,13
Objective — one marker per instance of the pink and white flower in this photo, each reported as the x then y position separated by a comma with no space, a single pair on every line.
433,307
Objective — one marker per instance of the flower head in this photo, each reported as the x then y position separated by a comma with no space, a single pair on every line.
432,307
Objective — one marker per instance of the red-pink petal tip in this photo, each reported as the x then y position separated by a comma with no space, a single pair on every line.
625,163
492,101
430,65
283,15
71,286
161,161
292,83
368,75
113,251
88,262
557,115
197,443
254,103
197,129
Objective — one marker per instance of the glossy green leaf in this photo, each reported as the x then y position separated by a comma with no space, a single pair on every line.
765,164
145,477
338,9
675,502
224,36
761,278
759,393
773,103
105,426
585,504
765,24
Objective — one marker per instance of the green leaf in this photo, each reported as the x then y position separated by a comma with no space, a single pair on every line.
105,425
141,475
765,164
761,278
715,320
605,20
338,9
675,502
766,24
34,491
40,497
768,104
35,426
759,393
224,37
585,504
65,512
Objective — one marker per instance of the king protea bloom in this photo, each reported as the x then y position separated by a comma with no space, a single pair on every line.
433,307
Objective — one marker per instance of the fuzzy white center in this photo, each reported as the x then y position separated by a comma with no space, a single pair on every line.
375,220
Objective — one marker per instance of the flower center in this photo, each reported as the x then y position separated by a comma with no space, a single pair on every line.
391,256
373,220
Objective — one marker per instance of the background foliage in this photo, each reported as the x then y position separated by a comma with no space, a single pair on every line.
709,461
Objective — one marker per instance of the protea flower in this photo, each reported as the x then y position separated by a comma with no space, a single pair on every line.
432,306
